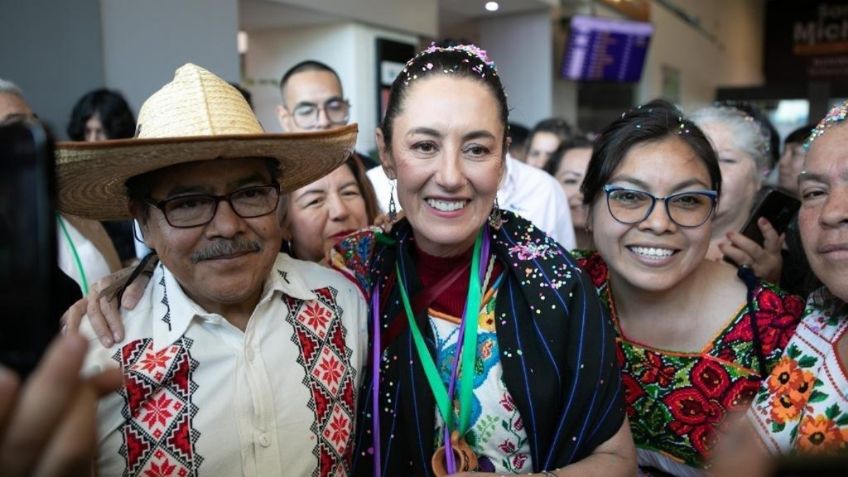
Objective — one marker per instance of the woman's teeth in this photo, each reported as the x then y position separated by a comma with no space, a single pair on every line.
446,205
652,251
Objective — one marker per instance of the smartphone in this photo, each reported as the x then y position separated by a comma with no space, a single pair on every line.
28,263
778,207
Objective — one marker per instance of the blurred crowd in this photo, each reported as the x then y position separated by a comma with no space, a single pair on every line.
665,296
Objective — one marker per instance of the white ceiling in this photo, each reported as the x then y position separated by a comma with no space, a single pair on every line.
262,15
267,14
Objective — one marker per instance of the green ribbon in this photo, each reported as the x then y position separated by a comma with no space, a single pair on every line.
77,261
468,351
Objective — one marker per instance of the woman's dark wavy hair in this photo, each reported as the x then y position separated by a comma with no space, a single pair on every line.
115,115
445,58
650,122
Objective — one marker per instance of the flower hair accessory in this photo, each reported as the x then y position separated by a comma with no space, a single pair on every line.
835,116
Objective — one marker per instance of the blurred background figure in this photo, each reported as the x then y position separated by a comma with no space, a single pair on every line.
99,115
766,127
568,166
743,152
792,160
86,253
545,137
518,141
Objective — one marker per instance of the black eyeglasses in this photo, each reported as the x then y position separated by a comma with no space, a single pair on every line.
305,115
194,210
686,209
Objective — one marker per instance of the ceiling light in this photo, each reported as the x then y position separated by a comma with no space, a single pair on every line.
492,6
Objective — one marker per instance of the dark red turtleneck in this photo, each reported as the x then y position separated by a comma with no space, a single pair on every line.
431,269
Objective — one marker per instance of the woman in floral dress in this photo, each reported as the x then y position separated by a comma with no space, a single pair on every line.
803,405
694,341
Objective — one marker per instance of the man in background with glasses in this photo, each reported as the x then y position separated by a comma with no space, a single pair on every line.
313,100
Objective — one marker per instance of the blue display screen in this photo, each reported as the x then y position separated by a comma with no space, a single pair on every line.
601,49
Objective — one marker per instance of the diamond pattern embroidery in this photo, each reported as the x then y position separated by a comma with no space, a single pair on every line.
325,357
158,412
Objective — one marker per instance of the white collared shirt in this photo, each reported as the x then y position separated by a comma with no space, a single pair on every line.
201,397
525,190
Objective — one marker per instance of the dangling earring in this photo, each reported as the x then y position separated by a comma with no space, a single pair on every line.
495,216
392,206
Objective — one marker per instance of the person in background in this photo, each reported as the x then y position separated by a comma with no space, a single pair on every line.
802,408
86,252
694,341
544,139
743,151
792,160
518,135
766,127
319,215
568,166
99,115
313,100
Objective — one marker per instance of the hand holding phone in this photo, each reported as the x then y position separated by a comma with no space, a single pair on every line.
778,207
759,244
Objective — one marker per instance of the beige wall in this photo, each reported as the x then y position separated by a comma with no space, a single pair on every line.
736,60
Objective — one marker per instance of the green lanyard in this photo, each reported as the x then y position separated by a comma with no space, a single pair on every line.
77,261
468,351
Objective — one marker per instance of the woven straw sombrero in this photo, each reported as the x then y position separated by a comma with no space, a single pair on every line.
195,117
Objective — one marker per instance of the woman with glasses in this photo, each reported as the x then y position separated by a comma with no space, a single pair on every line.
692,340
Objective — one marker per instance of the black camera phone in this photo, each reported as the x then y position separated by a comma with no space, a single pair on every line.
28,266
778,207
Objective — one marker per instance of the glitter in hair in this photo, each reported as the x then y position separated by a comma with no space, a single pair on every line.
835,116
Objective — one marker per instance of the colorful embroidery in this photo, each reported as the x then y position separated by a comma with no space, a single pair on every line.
158,435
353,254
497,432
677,402
803,405
324,355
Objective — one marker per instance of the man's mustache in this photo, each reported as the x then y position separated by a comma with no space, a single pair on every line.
224,248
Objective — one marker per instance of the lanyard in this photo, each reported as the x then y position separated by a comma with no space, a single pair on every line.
77,261
468,345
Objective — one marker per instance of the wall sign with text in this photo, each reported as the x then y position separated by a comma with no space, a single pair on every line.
806,40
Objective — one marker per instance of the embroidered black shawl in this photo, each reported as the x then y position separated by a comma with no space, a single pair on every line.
556,349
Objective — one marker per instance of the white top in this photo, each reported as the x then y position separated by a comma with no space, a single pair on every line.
525,190
201,397
93,262
803,405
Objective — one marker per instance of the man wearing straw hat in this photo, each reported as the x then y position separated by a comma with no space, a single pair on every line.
238,360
